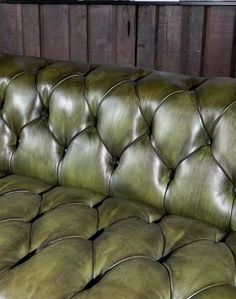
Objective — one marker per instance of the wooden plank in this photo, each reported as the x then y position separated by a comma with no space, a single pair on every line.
233,61
102,39
11,28
55,31
219,41
125,34
234,73
78,33
170,45
146,35
31,31
194,37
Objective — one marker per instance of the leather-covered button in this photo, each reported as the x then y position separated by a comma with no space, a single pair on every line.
45,114
44,117
149,131
64,152
172,174
115,161
17,142
209,142
95,122
234,191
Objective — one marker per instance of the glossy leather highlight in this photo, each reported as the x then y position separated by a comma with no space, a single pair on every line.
115,182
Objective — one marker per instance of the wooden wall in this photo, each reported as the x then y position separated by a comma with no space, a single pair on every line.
187,39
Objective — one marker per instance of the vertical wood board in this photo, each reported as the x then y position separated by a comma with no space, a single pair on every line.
11,28
31,29
219,41
146,35
55,31
78,32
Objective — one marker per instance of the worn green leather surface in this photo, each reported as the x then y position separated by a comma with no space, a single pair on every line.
115,182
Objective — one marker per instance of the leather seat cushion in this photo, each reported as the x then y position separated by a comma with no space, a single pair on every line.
62,242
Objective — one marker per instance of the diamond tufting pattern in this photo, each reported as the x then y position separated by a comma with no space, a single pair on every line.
116,182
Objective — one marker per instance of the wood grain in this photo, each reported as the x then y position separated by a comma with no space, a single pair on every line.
219,41
233,61
196,40
78,32
31,29
55,31
11,28
171,38
102,37
125,34
146,35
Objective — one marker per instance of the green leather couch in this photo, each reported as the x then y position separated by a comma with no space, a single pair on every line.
116,183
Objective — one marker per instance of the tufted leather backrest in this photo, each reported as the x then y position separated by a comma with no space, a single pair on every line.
167,140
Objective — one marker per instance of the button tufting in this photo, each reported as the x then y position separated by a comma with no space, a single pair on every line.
115,161
17,142
209,141
45,114
95,122
113,195
172,174
234,191
149,131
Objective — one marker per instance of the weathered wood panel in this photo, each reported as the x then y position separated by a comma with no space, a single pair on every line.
197,40
171,38
31,29
233,63
219,41
194,40
11,28
170,43
101,31
78,32
147,35
125,34
55,31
